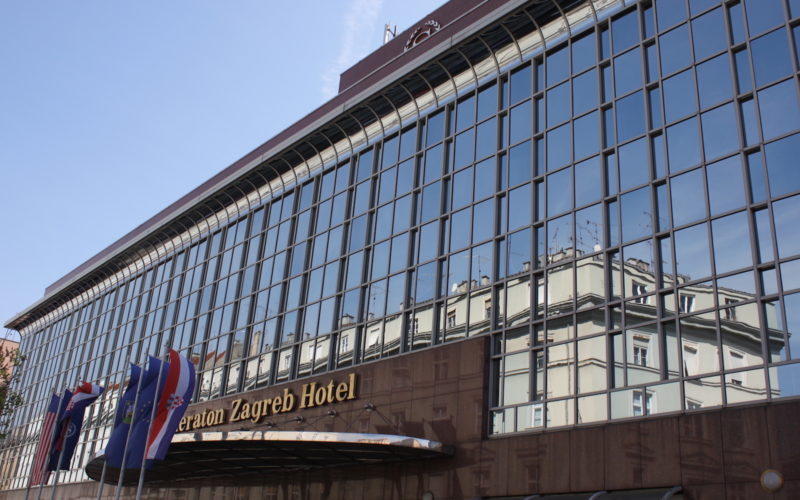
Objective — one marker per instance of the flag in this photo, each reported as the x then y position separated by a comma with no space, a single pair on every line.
69,426
54,432
39,474
150,384
126,402
175,397
124,417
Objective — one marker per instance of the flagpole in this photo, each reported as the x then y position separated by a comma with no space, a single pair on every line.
156,400
33,464
105,462
60,457
50,447
122,469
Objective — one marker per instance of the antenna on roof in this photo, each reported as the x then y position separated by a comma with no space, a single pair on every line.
389,32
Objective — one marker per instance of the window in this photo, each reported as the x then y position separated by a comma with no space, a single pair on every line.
413,326
686,304
640,355
373,336
451,319
737,361
690,359
344,344
487,309
639,289
730,313
642,403
693,405
537,415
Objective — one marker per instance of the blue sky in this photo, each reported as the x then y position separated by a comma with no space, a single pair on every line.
109,111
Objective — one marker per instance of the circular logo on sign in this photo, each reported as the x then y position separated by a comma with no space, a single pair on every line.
422,33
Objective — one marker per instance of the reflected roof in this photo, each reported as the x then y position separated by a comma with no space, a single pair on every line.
237,455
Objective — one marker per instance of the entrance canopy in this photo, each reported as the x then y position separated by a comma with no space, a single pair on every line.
239,454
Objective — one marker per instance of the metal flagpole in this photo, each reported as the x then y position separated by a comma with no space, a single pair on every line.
105,462
122,469
28,489
156,399
50,447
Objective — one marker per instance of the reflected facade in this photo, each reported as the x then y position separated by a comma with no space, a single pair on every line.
613,207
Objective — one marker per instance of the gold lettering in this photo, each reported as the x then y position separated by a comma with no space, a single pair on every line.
196,421
329,389
351,386
181,425
218,417
255,412
341,392
288,400
307,397
319,396
235,407
245,415
277,403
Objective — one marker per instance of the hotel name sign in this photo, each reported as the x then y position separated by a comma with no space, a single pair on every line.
312,394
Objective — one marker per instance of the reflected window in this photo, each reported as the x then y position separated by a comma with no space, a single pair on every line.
642,403
692,252
683,145
628,72
625,31
558,109
679,100
725,185
676,53
559,147
630,116
583,53
686,303
584,92
670,13
771,59
688,197
720,134
708,34
780,112
714,81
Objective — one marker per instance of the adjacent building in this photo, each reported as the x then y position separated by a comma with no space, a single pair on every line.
531,248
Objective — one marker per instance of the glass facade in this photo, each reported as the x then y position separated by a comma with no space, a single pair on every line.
616,212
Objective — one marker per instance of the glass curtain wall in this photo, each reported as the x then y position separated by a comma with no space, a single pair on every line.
616,212
661,276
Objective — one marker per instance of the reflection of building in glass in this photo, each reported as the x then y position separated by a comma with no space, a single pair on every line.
585,209
569,362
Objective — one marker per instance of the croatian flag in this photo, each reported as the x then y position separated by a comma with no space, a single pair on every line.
39,474
66,439
172,405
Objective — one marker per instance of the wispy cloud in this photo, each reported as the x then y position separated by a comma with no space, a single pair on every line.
358,23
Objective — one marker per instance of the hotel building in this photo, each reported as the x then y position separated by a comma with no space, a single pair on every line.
531,248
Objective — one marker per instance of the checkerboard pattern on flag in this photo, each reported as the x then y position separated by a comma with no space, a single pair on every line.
69,425
172,405
39,473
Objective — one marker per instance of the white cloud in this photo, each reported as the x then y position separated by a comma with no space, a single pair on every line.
358,24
